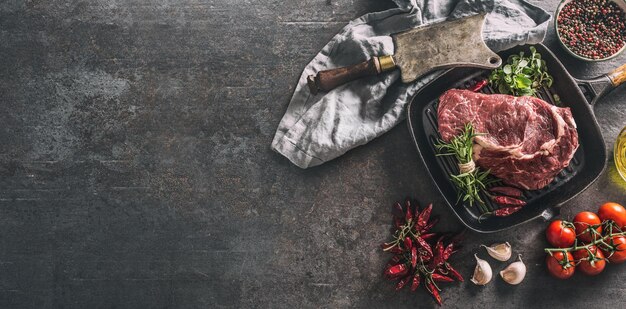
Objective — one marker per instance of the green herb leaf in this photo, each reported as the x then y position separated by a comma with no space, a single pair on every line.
522,82
502,88
523,63
507,69
521,75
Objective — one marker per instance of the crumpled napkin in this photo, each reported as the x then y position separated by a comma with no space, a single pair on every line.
319,128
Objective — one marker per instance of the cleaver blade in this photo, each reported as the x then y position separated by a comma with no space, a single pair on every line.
456,43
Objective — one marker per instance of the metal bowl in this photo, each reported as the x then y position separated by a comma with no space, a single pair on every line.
620,3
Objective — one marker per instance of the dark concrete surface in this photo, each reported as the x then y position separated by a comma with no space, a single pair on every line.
135,168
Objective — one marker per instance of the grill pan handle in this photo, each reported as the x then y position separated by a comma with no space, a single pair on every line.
618,76
596,88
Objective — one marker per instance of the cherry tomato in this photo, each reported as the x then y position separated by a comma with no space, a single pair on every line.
561,234
619,255
584,261
613,211
582,222
556,269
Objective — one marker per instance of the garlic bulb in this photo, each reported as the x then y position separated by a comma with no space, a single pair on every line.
514,273
500,252
482,272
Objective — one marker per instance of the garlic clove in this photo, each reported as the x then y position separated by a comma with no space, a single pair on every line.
500,252
482,272
514,273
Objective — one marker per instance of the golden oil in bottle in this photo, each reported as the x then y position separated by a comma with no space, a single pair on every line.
620,153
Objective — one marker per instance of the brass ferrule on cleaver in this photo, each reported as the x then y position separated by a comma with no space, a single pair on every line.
386,63
417,51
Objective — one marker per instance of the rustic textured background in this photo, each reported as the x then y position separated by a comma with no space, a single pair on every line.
135,169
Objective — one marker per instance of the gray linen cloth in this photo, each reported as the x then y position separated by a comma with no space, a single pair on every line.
319,128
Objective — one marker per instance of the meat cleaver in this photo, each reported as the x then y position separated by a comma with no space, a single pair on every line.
456,43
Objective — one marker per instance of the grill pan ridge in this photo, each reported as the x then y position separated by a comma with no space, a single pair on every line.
422,121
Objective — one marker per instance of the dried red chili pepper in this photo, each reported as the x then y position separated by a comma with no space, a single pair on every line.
415,257
450,272
479,85
424,245
408,213
447,252
415,282
507,201
402,283
509,191
396,271
396,250
428,236
393,261
408,244
442,278
425,256
423,217
439,248
503,212
398,222
454,273
430,225
433,291
397,210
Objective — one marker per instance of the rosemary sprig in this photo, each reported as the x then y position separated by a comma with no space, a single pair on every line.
470,183
460,146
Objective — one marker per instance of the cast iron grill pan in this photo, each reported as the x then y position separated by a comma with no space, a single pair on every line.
585,167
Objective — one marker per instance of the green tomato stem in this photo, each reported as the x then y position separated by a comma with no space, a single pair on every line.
586,247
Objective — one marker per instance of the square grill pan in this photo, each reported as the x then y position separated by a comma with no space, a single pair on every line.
587,164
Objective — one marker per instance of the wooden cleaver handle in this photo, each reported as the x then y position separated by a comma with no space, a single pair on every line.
329,79
618,76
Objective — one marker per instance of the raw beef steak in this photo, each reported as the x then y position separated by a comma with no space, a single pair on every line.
526,140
